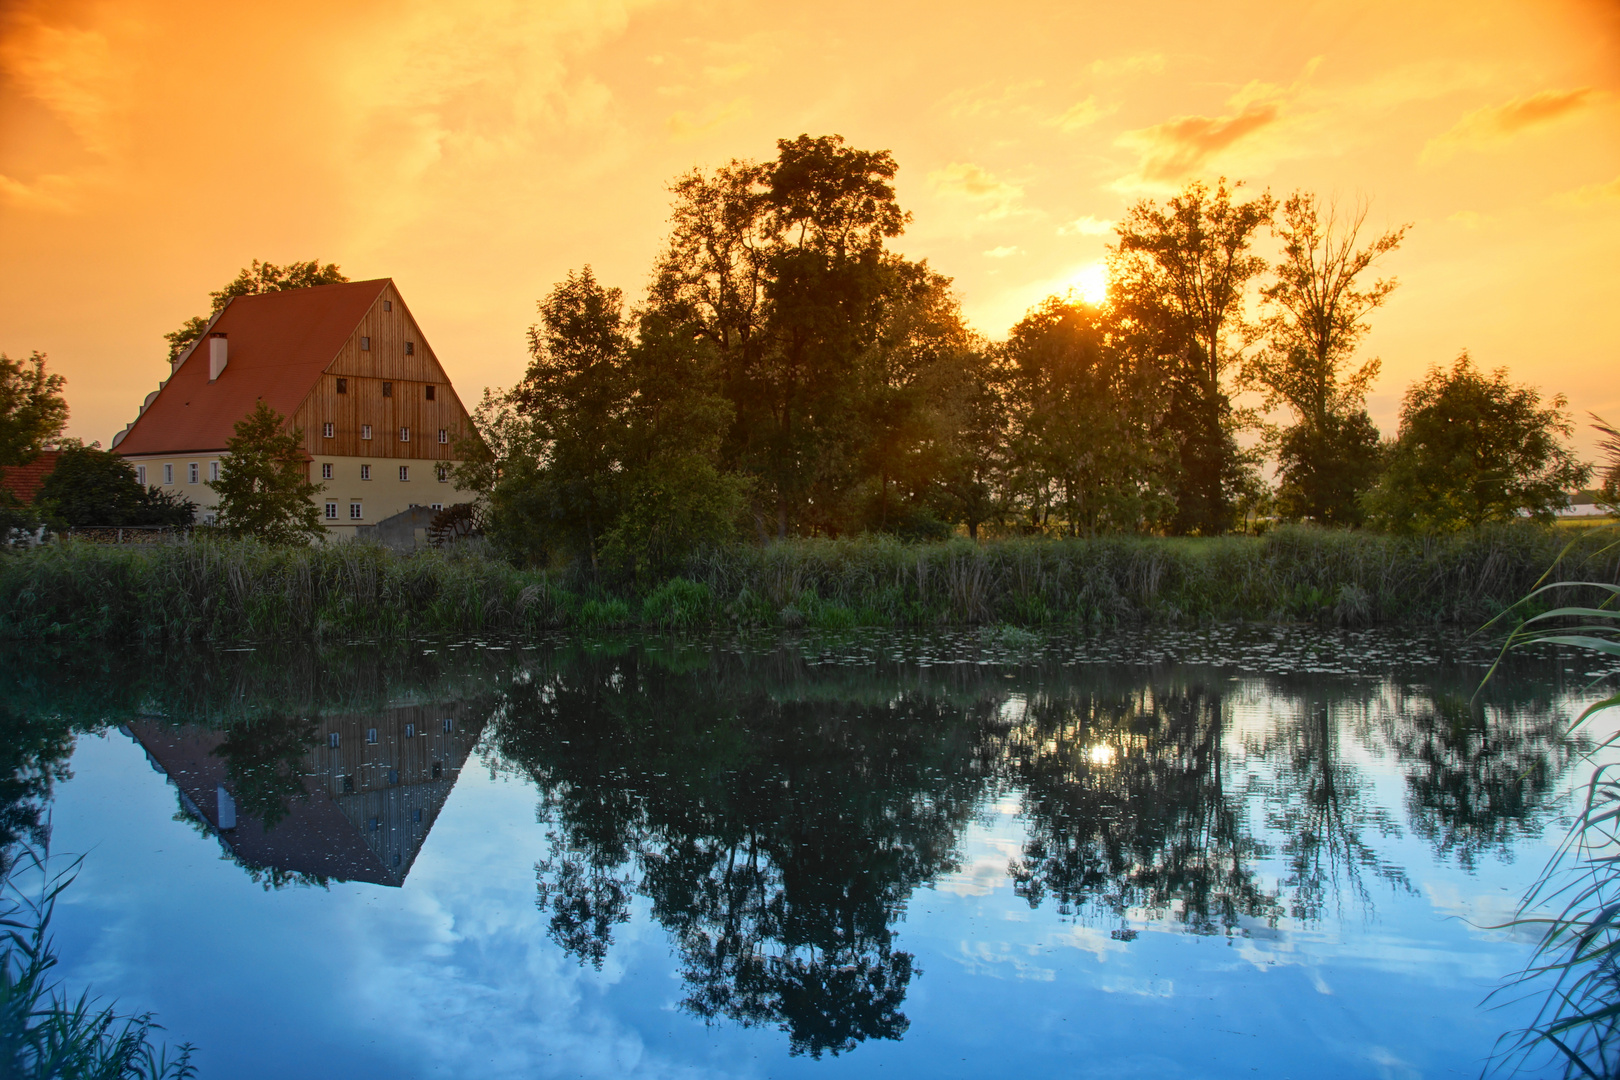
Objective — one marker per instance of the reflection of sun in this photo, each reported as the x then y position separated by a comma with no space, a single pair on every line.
1091,283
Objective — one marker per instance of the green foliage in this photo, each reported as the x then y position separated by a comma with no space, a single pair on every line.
44,1033
1609,468
250,281
1325,467
678,604
1473,448
32,409
263,486
91,486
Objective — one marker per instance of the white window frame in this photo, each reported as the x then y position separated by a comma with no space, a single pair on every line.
365,472
356,513
444,437
331,511
168,474
327,430
443,473
213,471
326,470
404,434
140,475
405,473
365,431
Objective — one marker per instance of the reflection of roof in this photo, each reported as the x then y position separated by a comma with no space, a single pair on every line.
279,344
369,829
24,480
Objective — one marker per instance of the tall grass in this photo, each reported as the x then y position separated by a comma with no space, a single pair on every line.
242,590
44,1033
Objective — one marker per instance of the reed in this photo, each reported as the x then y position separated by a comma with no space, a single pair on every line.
242,590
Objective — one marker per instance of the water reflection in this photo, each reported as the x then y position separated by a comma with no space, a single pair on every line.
776,809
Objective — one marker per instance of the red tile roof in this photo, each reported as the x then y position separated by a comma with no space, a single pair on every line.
24,480
279,344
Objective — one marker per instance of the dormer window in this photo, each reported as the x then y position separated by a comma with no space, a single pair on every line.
342,385
431,391
410,348
365,344
388,389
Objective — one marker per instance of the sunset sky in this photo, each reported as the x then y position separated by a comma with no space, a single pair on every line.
476,151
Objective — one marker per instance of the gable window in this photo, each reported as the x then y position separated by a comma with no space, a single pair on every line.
334,740
326,470
140,475
404,472
410,731
331,511
354,512
213,471
342,385
410,348
191,473
168,474
388,305
448,725
444,436
327,431
431,390
365,344
365,431
388,389
371,734
404,434
365,472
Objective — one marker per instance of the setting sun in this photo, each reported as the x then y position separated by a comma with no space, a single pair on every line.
1091,283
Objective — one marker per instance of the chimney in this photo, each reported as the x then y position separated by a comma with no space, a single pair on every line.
216,355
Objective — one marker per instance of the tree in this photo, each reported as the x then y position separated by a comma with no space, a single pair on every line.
264,488
32,409
1178,279
1317,318
1473,448
91,486
252,280
1609,446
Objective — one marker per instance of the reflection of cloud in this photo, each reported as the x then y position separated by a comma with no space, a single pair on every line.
1086,226
1137,64
969,181
1181,147
1082,114
1496,124
692,125
984,872
993,958
1001,252
1487,915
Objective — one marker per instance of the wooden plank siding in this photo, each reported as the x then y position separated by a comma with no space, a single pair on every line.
366,370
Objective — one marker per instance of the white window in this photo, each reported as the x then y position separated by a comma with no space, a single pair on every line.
365,431
331,511
436,506
140,475
404,472
326,470
354,512
209,518
326,431
444,436
213,470
448,724
404,434
192,474
365,472
371,734
410,731
334,740
365,344
168,474
443,472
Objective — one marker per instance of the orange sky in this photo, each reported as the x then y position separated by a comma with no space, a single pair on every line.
475,151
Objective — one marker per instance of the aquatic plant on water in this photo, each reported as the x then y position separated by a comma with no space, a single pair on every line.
45,1033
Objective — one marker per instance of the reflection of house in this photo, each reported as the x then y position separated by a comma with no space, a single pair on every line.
375,782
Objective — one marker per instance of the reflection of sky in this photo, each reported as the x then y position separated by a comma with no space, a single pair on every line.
453,975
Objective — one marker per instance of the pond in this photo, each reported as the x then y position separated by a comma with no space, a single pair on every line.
1229,852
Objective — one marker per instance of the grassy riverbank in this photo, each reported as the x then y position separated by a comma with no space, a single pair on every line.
239,590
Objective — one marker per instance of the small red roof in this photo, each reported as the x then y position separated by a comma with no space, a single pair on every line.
23,480
280,343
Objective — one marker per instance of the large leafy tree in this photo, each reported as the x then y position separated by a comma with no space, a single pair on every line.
1179,275
33,411
91,486
1474,448
261,277
1318,306
264,487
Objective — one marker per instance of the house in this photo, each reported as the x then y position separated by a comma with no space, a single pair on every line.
373,783
23,481
348,365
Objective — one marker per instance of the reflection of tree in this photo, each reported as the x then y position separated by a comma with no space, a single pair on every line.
264,762
1479,775
1125,799
34,753
778,839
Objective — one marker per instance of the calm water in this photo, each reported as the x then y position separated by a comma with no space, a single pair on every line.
1229,853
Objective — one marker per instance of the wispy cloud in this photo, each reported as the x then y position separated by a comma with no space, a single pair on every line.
1496,124
1086,226
1592,194
687,124
1181,147
1082,114
986,101
972,182
1002,252
1135,64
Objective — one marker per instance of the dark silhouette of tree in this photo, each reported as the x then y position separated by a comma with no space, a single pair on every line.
264,761
91,486
1473,448
264,487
